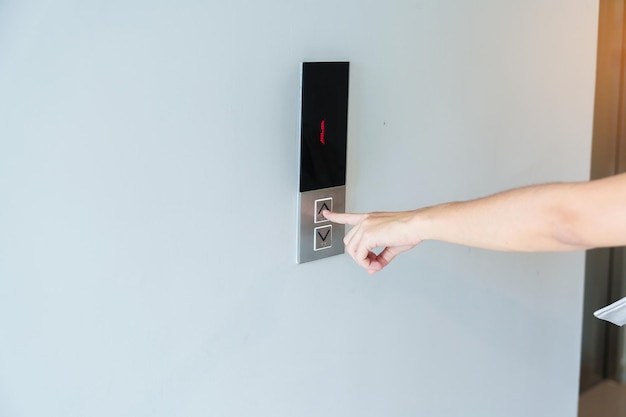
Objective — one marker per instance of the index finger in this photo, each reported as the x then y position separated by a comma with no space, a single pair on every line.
343,218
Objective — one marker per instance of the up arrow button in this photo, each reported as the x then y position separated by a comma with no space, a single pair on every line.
321,205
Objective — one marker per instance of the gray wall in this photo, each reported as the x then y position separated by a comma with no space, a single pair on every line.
148,177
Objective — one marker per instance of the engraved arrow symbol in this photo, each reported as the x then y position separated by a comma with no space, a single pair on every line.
325,236
324,207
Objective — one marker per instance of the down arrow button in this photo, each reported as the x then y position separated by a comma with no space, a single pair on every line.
323,237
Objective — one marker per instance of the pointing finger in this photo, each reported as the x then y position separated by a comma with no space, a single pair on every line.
343,218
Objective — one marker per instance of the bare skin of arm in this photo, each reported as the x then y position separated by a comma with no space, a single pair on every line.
541,218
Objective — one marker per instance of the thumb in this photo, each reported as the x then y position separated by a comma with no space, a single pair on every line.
386,256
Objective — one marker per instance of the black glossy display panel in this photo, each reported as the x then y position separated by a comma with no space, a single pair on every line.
324,129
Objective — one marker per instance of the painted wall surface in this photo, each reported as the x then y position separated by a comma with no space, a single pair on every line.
148,179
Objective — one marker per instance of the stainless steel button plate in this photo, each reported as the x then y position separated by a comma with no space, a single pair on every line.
329,242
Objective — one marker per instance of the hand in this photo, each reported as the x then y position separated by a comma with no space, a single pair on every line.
394,232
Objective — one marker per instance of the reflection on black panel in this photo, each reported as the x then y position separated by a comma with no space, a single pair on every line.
324,125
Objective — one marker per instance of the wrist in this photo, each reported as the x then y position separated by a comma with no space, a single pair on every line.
420,225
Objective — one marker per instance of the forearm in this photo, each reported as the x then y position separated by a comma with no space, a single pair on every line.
551,217
538,218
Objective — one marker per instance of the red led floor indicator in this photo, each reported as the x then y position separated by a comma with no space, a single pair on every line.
323,132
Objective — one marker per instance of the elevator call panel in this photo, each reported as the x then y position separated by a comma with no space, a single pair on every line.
323,146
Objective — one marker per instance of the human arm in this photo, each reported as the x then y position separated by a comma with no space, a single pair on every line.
549,217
